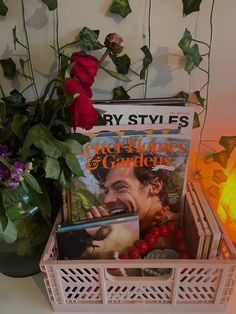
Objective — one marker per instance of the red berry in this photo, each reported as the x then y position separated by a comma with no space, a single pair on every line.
134,253
165,230
172,225
156,231
142,246
181,246
179,234
184,255
123,256
150,238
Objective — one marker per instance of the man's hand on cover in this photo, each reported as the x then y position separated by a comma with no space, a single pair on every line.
97,212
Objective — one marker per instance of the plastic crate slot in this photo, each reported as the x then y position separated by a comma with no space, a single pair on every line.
79,271
191,271
65,279
80,279
72,279
191,279
87,271
67,289
74,289
71,270
183,279
202,296
199,279
200,271
64,271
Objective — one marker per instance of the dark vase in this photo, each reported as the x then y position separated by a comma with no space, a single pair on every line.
21,258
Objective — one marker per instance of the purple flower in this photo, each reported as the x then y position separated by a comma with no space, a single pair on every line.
16,173
4,172
4,152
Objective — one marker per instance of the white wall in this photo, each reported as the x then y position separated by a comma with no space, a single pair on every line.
166,77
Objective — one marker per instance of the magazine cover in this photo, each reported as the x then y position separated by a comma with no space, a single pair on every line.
138,113
136,173
146,111
97,238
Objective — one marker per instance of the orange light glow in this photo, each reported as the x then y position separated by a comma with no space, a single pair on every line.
227,205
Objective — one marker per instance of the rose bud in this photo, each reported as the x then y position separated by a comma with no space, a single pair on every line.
114,43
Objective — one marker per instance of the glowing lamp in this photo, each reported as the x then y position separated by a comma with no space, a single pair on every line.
227,204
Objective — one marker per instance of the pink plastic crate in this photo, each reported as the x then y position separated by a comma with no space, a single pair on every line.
88,286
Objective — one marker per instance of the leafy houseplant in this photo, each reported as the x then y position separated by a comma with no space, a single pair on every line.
36,145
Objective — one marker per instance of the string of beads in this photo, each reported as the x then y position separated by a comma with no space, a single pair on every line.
143,246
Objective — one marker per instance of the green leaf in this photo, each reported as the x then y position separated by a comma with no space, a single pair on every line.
88,38
32,182
75,146
15,100
15,39
185,42
193,59
118,76
22,65
122,63
18,124
221,158
120,93
5,133
52,168
9,67
65,175
120,7
183,95
195,98
10,199
196,121
43,139
51,4
228,142
73,164
146,61
41,200
219,176
3,8
190,6
9,233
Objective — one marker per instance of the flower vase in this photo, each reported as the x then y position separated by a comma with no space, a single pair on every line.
20,258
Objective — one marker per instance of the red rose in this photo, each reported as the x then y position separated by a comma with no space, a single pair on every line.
73,86
83,113
89,62
85,68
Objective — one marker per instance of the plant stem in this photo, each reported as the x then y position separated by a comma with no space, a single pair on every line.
207,85
25,76
5,163
69,44
135,86
201,42
26,88
135,72
28,47
3,94
57,41
203,70
106,53
149,45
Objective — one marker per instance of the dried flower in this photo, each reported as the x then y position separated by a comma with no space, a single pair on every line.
114,43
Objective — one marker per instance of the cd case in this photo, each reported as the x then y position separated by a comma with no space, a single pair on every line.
97,238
